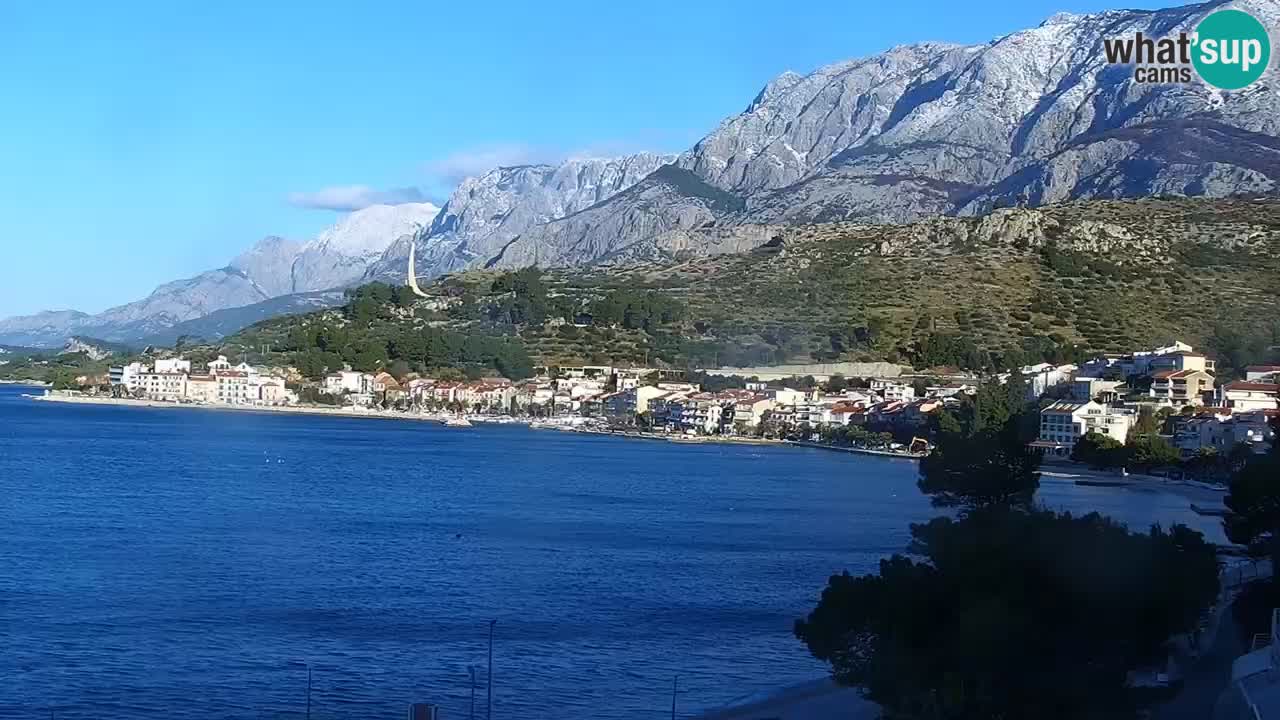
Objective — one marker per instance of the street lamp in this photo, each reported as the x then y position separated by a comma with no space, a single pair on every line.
675,684
307,665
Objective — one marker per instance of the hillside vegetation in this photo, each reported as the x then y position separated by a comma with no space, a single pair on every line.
1017,285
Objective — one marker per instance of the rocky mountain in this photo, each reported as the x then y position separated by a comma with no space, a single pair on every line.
270,264
1034,117
1012,286
275,267
343,254
93,348
43,329
225,322
486,213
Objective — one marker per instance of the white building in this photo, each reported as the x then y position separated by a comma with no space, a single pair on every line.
1084,389
235,388
1242,396
173,365
1042,377
892,390
270,390
1181,387
1064,423
748,412
1140,362
167,386
1254,693
348,381
126,376
787,396
1262,373
1223,433
202,388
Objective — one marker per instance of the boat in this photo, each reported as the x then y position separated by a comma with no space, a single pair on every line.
457,422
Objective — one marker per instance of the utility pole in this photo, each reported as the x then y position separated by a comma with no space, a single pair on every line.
675,683
308,692
489,702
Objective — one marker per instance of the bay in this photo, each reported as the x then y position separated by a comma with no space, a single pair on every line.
181,563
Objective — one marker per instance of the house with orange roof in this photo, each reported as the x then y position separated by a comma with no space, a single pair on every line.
1245,396
1181,387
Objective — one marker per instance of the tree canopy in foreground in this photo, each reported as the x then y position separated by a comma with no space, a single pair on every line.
1005,610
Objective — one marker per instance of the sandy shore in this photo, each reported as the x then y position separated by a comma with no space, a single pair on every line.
285,409
1191,489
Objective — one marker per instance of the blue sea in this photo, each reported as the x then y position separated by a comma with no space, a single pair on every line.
186,563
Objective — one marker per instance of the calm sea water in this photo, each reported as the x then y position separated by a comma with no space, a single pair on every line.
194,564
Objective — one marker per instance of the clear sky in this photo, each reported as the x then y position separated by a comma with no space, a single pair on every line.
141,142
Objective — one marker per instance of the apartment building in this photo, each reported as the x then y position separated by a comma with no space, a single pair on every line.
1064,423
1181,387
166,386
1245,396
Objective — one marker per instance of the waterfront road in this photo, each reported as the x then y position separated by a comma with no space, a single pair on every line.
1206,678
815,700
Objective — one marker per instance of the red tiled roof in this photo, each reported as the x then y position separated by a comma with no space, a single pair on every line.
1256,386
1175,374
847,407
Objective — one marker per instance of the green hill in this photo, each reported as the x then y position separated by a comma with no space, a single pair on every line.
1015,286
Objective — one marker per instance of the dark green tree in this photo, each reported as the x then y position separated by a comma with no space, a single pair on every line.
1254,503
1100,451
1151,451
1013,615
980,459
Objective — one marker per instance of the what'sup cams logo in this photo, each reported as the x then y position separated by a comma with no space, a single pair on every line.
1229,50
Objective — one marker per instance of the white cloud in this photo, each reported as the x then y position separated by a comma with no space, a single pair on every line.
441,176
455,167
346,198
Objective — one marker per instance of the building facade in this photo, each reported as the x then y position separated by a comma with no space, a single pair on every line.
1062,424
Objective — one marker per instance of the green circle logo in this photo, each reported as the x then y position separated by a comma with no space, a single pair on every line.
1231,49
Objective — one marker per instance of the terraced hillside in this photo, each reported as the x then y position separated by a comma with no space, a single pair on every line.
1015,285
1105,275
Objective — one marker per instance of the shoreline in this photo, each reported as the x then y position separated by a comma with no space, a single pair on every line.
1050,472
729,440
535,424
281,409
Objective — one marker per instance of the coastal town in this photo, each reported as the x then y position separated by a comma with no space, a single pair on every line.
891,412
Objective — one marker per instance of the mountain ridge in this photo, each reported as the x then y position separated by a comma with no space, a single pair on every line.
1033,117
1010,287
272,268
932,129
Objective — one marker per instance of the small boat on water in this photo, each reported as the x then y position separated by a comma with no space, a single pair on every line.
458,422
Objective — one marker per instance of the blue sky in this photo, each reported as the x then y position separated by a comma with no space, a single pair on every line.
144,142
